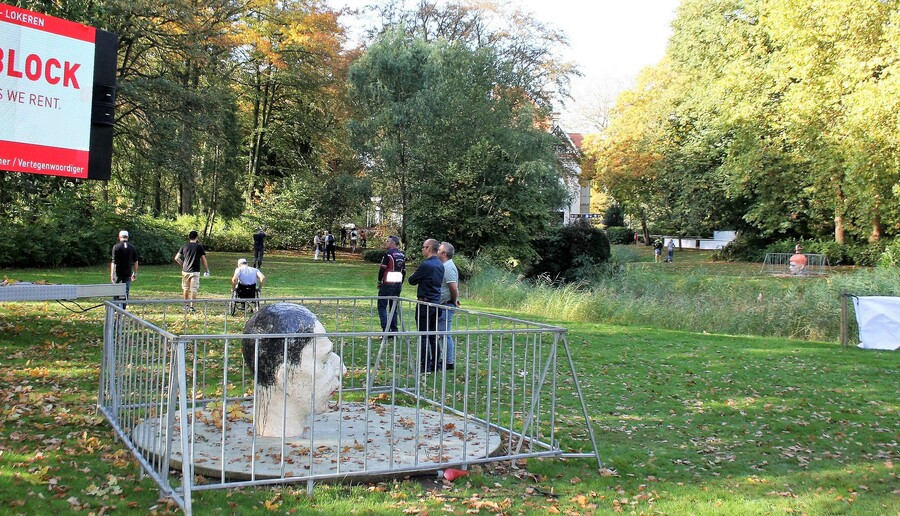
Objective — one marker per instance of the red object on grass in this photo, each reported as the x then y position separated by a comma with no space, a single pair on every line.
452,474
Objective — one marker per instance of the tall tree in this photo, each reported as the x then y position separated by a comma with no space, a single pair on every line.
428,112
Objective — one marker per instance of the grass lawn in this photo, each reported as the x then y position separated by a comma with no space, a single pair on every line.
687,423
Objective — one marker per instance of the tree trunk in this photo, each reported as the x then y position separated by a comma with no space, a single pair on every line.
877,226
157,195
839,217
644,228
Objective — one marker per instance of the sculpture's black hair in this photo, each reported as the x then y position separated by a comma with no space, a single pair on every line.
276,318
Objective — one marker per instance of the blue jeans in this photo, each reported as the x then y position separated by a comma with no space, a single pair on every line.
445,323
384,308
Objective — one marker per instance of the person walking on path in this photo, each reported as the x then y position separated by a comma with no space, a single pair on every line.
354,235
190,257
657,250
259,247
343,236
391,274
450,299
124,265
428,278
329,246
671,250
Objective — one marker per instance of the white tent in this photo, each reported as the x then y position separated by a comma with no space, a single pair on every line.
879,322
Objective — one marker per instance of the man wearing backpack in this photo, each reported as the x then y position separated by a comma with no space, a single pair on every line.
329,246
657,250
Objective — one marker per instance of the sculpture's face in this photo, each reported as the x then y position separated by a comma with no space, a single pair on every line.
797,263
319,374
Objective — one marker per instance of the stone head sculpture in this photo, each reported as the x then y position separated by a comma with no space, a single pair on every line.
295,376
797,263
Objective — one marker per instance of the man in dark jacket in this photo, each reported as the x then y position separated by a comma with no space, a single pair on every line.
124,265
390,282
259,248
428,276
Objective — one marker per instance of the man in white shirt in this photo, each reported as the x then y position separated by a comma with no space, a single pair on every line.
245,279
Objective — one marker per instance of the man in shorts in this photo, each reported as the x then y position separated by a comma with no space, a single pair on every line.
190,257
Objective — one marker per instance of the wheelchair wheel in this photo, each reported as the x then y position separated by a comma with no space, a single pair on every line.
253,304
232,306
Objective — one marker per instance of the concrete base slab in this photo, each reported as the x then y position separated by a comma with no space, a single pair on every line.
354,438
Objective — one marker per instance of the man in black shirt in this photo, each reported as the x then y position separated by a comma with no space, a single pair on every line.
124,265
190,256
259,248
390,281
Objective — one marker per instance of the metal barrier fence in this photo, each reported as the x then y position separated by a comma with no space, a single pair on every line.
176,389
780,264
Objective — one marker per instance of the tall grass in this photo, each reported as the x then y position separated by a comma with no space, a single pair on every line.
698,297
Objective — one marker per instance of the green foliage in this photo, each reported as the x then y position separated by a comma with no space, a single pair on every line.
285,216
620,235
614,216
452,157
747,247
157,240
694,296
489,200
891,255
234,239
777,118
571,253
373,255
465,266
76,232
866,254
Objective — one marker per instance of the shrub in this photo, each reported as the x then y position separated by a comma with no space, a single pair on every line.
572,253
891,255
745,248
235,239
77,233
620,235
157,240
867,254
373,255
836,253
465,266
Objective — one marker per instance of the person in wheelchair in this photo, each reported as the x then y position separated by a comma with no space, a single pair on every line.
247,281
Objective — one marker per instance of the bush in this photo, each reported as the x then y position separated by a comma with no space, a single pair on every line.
465,266
157,240
744,248
76,232
620,235
373,255
868,254
891,255
235,239
573,253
